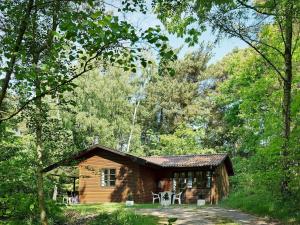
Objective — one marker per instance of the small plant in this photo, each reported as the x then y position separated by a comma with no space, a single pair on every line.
129,197
171,220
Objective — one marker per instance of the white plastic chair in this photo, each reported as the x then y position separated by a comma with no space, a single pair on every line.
154,197
178,198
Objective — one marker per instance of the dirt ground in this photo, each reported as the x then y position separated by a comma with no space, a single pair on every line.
206,216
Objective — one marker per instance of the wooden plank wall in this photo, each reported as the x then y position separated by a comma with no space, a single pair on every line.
140,180
220,184
130,178
191,194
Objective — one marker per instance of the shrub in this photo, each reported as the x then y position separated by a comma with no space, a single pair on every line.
22,208
123,217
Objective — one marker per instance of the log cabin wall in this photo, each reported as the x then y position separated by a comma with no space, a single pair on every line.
140,180
128,179
147,183
190,195
220,184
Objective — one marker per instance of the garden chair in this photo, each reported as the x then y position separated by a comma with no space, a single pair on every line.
177,197
154,197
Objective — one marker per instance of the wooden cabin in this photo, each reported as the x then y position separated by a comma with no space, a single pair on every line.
108,175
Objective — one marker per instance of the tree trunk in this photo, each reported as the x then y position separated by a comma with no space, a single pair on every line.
39,150
132,125
287,94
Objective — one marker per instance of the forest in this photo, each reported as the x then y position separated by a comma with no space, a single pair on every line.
73,74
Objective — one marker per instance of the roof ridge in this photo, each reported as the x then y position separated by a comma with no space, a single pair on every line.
207,154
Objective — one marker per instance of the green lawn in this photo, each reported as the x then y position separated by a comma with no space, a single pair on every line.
110,207
115,213
109,213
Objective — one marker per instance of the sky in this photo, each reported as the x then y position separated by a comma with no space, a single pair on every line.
220,49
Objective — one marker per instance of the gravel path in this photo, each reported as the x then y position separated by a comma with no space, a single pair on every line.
206,216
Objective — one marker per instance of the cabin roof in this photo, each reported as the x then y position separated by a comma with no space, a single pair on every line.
200,160
188,160
182,161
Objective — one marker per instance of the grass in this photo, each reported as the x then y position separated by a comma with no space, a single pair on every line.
84,209
262,204
109,213
123,217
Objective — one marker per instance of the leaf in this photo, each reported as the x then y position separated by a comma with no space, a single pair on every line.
96,15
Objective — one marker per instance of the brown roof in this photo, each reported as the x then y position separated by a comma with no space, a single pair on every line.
187,160
204,160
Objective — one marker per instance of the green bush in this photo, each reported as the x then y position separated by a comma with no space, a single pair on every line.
264,204
123,217
22,208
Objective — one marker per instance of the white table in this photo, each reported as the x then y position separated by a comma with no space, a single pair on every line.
164,200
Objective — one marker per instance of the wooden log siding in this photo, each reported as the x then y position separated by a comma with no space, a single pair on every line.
130,178
141,175
219,184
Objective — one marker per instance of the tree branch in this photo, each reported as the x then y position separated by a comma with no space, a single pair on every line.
49,40
264,57
11,64
254,8
238,34
85,69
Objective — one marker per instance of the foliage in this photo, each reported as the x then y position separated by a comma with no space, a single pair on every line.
22,208
124,217
103,110
111,213
78,32
248,103
171,221
170,111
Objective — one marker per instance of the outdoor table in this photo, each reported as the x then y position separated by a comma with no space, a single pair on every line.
163,201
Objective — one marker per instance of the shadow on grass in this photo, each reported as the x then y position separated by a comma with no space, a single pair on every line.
117,217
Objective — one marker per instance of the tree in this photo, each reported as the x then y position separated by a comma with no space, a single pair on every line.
104,103
54,43
74,33
173,101
249,21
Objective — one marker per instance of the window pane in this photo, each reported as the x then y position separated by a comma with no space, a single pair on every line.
208,175
190,183
105,171
108,177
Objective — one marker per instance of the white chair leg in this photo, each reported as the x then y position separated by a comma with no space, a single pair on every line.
179,201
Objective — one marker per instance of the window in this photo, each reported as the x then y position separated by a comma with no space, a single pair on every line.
108,177
191,179
208,175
